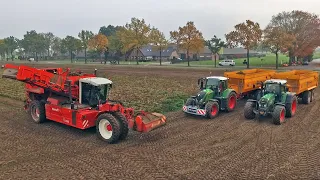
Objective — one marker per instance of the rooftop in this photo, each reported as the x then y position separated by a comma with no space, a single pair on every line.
96,81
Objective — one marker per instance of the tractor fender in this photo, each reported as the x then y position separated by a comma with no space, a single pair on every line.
226,92
214,100
289,98
280,104
252,100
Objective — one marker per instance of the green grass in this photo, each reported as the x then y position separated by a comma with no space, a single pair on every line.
316,55
269,60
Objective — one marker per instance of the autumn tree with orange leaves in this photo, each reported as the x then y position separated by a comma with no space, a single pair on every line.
98,43
304,26
188,38
277,40
247,34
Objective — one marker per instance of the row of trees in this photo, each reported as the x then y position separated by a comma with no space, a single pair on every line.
296,33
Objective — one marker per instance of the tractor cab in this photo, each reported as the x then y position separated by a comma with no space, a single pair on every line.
94,90
215,83
276,87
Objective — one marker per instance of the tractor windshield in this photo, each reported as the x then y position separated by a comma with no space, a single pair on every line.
212,83
272,88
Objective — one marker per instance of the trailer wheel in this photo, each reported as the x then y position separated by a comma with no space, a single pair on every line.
248,110
291,107
124,129
37,111
312,95
231,102
306,97
108,128
190,101
212,109
278,115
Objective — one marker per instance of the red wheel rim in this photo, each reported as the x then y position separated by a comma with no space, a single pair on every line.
232,102
282,115
109,127
214,110
294,107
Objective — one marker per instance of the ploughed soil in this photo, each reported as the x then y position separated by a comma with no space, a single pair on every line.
188,147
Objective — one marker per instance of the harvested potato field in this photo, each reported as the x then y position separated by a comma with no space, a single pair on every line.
188,147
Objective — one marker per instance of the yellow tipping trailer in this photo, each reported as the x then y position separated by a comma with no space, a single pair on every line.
301,82
248,82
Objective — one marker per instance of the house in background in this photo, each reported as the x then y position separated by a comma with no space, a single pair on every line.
235,53
151,53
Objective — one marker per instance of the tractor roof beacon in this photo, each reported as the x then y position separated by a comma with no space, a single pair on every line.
79,100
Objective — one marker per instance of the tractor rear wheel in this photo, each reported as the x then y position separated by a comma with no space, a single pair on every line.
291,107
190,101
212,109
124,129
231,101
248,110
108,128
278,115
37,111
306,97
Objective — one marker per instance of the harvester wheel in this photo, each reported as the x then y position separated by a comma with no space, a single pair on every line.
248,110
291,107
37,111
190,101
124,129
306,97
231,101
278,115
212,109
108,128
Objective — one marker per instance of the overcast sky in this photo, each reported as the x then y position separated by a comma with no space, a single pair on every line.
68,17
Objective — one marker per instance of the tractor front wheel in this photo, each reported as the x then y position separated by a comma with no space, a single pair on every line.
291,107
248,110
212,109
124,129
231,101
37,111
278,115
108,128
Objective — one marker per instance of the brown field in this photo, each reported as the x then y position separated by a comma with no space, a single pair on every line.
188,147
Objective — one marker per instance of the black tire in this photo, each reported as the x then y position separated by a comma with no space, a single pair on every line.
231,97
124,129
278,115
291,107
306,97
190,101
257,95
312,95
115,125
212,113
40,107
248,110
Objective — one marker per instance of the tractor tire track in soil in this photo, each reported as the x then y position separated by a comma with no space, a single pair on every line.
188,147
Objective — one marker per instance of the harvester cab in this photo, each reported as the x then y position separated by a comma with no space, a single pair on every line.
275,100
94,90
214,96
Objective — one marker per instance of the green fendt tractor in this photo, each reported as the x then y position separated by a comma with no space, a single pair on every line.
213,97
275,100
